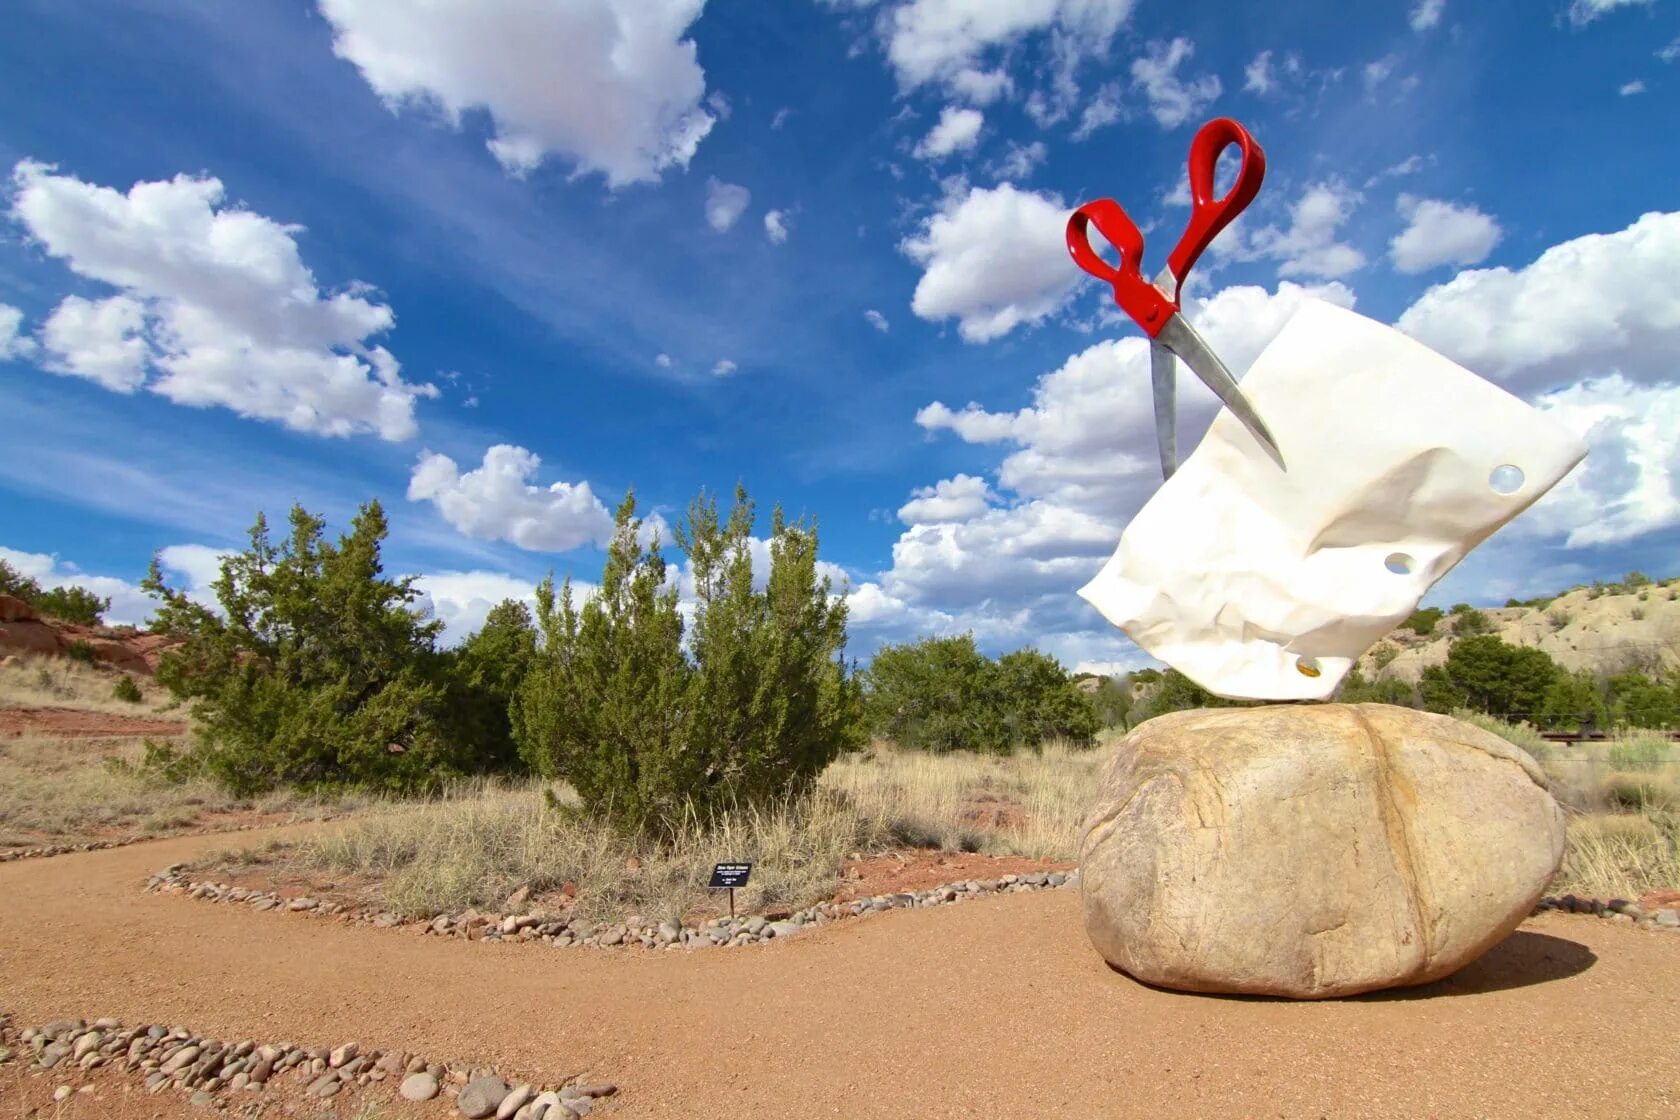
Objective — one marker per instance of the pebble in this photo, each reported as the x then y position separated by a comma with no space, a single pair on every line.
62,1093
481,1096
513,1102
419,1087
342,1055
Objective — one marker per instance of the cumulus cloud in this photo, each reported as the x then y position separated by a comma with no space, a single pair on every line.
130,606
1532,328
1100,112
876,320
958,130
498,501
462,600
13,342
1309,245
1439,233
610,85
946,40
214,307
1426,14
1583,12
1264,77
1172,100
777,226
992,259
949,499
724,368
725,203
1629,89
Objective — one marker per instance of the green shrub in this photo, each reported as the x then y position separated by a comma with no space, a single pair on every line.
943,694
317,673
653,736
1558,618
1506,681
1470,622
1637,754
1355,689
126,690
1422,622
1112,702
1176,692
82,651
1636,700
1383,654
1574,703
73,604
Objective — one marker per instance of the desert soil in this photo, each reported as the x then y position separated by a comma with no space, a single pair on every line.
997,1007
74,723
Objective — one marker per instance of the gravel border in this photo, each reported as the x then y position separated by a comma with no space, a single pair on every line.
216,1073
1616,909
478,925
179,834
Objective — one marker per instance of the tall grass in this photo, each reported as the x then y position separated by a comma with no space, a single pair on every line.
58,682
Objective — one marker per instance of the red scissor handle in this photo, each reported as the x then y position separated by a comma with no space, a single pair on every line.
1136,296
1209,215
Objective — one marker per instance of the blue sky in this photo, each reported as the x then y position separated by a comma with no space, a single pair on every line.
495,262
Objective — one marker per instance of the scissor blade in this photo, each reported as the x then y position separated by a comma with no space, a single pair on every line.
1182,338
1163,368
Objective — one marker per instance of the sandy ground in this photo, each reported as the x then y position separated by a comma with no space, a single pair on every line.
990,1008
75,723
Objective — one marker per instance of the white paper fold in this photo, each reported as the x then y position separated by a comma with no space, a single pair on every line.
1249,579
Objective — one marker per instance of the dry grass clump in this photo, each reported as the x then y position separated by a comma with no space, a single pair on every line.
1520,734
65,791
483,841
58,682
1620,855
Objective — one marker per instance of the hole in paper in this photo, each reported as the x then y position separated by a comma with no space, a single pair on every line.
1506,479
1308,667
1399,563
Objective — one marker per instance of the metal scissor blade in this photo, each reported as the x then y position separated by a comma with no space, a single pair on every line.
1182,338
1163,368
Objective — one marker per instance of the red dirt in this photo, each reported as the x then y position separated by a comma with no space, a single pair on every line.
73,723
998,1007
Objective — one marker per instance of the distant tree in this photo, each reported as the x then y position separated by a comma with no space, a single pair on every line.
1422,622
18,585
484,677
1355,689
1638,700
1502,680
1438,693
1176,692
73,604
1112,702
1036,700
1470,622
1574,703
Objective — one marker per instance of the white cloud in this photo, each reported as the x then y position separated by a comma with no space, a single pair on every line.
949,499
777,226
1172,101
1257,75
718,104
497,501
1586,308
980,87
1671,51
1411,165
725,203
1583,12
1020,160
1426,14
1309,246
663,361
958,130
462,600
993,260
610,85
724,368
13,342
1629,89
782,114
1629,484
1100,112
876,320
101,340
231,316
1440,233
130,606
945,40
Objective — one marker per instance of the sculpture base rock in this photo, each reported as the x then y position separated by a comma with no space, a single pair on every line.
1313,851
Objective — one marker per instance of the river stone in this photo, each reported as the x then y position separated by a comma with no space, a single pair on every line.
481,1096
1312,850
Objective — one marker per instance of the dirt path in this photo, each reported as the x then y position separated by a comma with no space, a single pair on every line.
77,723
991,1008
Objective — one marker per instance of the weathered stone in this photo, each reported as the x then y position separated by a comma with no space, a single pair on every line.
89,1041
542,1104
419,1087
782,929
261,1071
342,1055
513,1102
1313,851
481,1097
1670,918
183,1058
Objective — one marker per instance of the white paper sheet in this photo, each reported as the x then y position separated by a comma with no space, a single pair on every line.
1250,579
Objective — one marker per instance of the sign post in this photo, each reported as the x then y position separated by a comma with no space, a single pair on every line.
730,875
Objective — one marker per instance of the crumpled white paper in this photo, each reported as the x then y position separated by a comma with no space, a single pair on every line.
1262,583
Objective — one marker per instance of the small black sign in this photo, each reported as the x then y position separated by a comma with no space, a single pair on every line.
730,875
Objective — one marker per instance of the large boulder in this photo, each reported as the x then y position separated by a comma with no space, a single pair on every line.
1312,850
13,609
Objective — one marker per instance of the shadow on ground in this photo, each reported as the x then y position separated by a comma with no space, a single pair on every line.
1522,959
